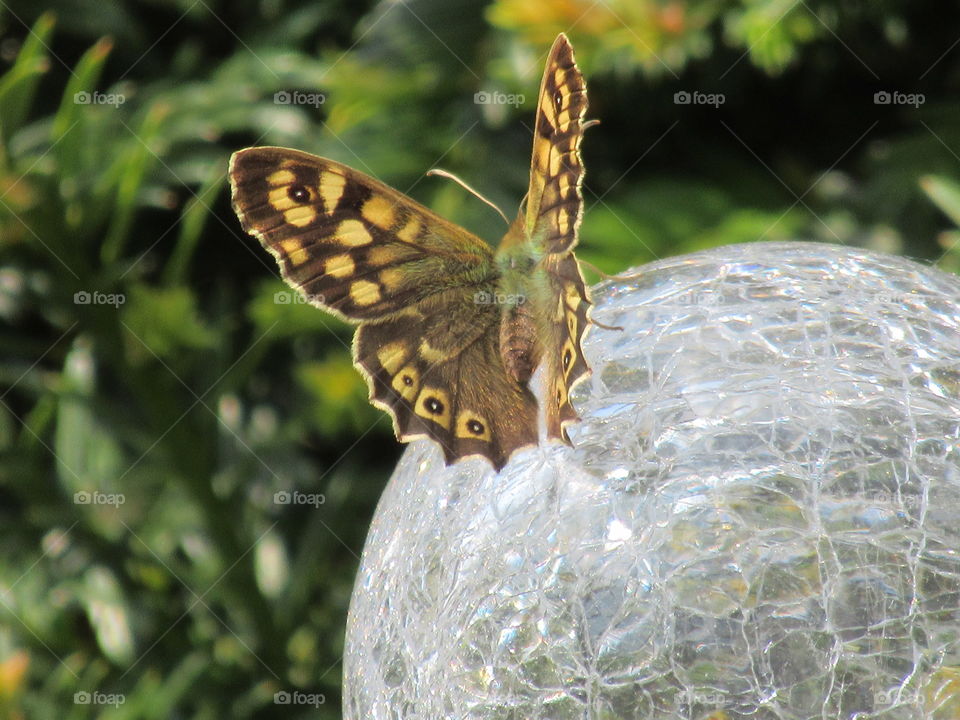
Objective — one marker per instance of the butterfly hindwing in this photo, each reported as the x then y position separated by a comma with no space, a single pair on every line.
352,245
565,363
440,375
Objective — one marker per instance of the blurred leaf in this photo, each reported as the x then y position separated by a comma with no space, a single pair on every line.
137,158
18,87
163,321
192,222
79,95
88,458
272,567
106,610
945,194
338,395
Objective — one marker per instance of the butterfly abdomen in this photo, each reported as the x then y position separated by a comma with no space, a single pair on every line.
518,341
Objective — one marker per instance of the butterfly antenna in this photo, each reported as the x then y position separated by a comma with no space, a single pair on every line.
593,268
461,183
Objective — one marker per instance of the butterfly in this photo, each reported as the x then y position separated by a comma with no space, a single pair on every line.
449,331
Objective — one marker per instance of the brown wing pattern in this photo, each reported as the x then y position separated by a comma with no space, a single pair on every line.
437,370
554,204
352,245
566,365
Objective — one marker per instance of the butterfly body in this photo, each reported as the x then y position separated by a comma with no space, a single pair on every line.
449,332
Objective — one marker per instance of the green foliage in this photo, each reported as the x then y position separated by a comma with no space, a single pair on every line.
162,392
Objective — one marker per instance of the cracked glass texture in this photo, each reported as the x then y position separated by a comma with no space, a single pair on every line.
760,516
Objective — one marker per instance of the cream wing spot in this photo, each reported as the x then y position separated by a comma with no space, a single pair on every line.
340,266
392,356
411,231
391,279
364,292
430,353
279,198
353,233
473,426
300,216
281,177
567,354
555,163
380,211
331,190
381,255
406,382
434,405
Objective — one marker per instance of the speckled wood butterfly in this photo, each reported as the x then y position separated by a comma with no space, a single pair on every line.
449,331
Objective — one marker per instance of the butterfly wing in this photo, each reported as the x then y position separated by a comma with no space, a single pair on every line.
415,283
352,245
565,363
554,208
554,204
437,370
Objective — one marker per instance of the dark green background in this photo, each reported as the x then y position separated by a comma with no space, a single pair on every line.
200,396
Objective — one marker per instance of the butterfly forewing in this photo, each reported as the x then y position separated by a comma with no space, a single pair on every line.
554,202
349,243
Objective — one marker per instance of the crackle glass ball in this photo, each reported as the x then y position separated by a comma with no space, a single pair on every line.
759,517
